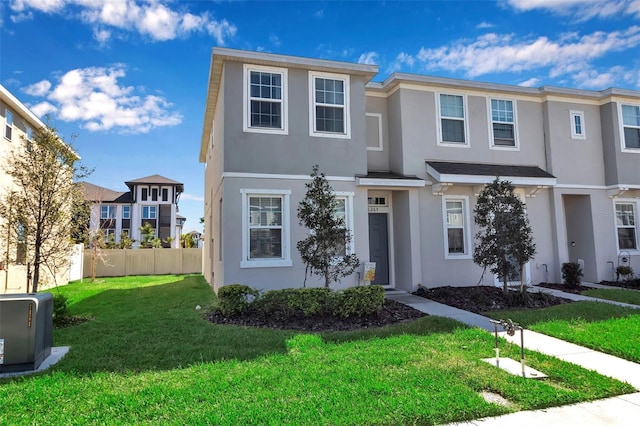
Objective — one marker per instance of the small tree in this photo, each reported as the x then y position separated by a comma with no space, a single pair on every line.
325,250
505,240
125,241
147,235
187,241
38,206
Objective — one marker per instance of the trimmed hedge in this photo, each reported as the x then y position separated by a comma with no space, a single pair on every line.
237,299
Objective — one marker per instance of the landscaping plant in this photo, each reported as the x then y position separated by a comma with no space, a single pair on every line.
572,274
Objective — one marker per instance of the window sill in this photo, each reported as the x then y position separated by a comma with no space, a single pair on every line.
457,257
453,145
330,135
631,150
271,263
505,148
266,130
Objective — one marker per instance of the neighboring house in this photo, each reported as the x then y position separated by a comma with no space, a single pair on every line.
17,125
407,158
197,238
152,199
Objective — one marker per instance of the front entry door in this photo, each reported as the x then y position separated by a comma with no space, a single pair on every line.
379,246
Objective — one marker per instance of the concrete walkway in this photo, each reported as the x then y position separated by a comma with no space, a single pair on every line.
623,410
579,297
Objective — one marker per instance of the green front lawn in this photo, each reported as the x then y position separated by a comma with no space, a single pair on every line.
597,325
617,294
148,357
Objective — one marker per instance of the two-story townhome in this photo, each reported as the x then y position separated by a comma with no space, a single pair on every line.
151,199
18,125
407,158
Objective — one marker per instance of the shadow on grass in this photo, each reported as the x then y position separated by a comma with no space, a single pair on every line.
157,327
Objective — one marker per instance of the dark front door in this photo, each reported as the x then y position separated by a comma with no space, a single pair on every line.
379,246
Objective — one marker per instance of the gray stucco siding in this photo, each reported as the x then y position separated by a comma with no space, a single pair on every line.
258,152
378,160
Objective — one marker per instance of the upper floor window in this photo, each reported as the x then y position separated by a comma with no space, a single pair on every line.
329,107
107,212
165,194
154,194
626,226
8,120
126,212
452,119
145,194
265,99
148,212
631,126
578,130
503,119
29,133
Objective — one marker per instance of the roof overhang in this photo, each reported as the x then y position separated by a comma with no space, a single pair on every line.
389,179
477,175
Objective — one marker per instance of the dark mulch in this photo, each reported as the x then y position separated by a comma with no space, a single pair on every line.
69,321
391,313
632,284
488,298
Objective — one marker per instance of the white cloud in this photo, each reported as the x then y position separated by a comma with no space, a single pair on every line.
94,97
483,25
38,89
532,82
151,18
402,60
369,58
190,197
275,40
581,10
494,53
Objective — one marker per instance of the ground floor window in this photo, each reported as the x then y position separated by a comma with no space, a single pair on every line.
456,227
265,228
626,225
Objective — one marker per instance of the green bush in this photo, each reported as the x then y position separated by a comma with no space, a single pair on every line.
358,301
235,298
289,301
625,272
572,274
60,307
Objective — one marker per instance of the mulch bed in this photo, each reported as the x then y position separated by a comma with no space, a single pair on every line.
391,313
488,298
632,284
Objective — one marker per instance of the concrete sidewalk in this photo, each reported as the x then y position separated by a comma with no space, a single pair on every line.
579,297
623,410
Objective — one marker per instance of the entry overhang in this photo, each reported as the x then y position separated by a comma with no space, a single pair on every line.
448,173
389,179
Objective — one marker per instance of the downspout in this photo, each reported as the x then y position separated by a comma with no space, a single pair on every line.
6,256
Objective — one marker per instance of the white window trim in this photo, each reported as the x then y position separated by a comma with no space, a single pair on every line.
574,135
516,136
128,216
286,230
467,141
635,204
7,111
348,197
621,129
466,227
246,105
380,146
149,218
312,105
110,208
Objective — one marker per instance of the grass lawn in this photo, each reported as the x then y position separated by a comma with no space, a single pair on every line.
148,357
601,326
616,294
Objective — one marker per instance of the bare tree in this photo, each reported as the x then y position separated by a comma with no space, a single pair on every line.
39,205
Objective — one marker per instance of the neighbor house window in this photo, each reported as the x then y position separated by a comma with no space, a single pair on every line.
126,212
265,228
503,123
8,120
626,226
456,224
578,130
107,212
145,194
452,119
148,212
329,107
265,99
154,194
165,194
631,126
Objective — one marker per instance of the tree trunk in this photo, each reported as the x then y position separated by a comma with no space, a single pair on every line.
505,281
522,279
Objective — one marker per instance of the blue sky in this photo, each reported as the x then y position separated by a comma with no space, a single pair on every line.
128,78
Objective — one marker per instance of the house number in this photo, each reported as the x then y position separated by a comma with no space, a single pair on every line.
373,209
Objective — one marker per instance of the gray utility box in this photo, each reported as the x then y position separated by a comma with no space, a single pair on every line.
26,330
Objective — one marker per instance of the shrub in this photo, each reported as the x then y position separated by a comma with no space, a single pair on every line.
289,301
236,298
625,272
60,307
358,301
572,274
